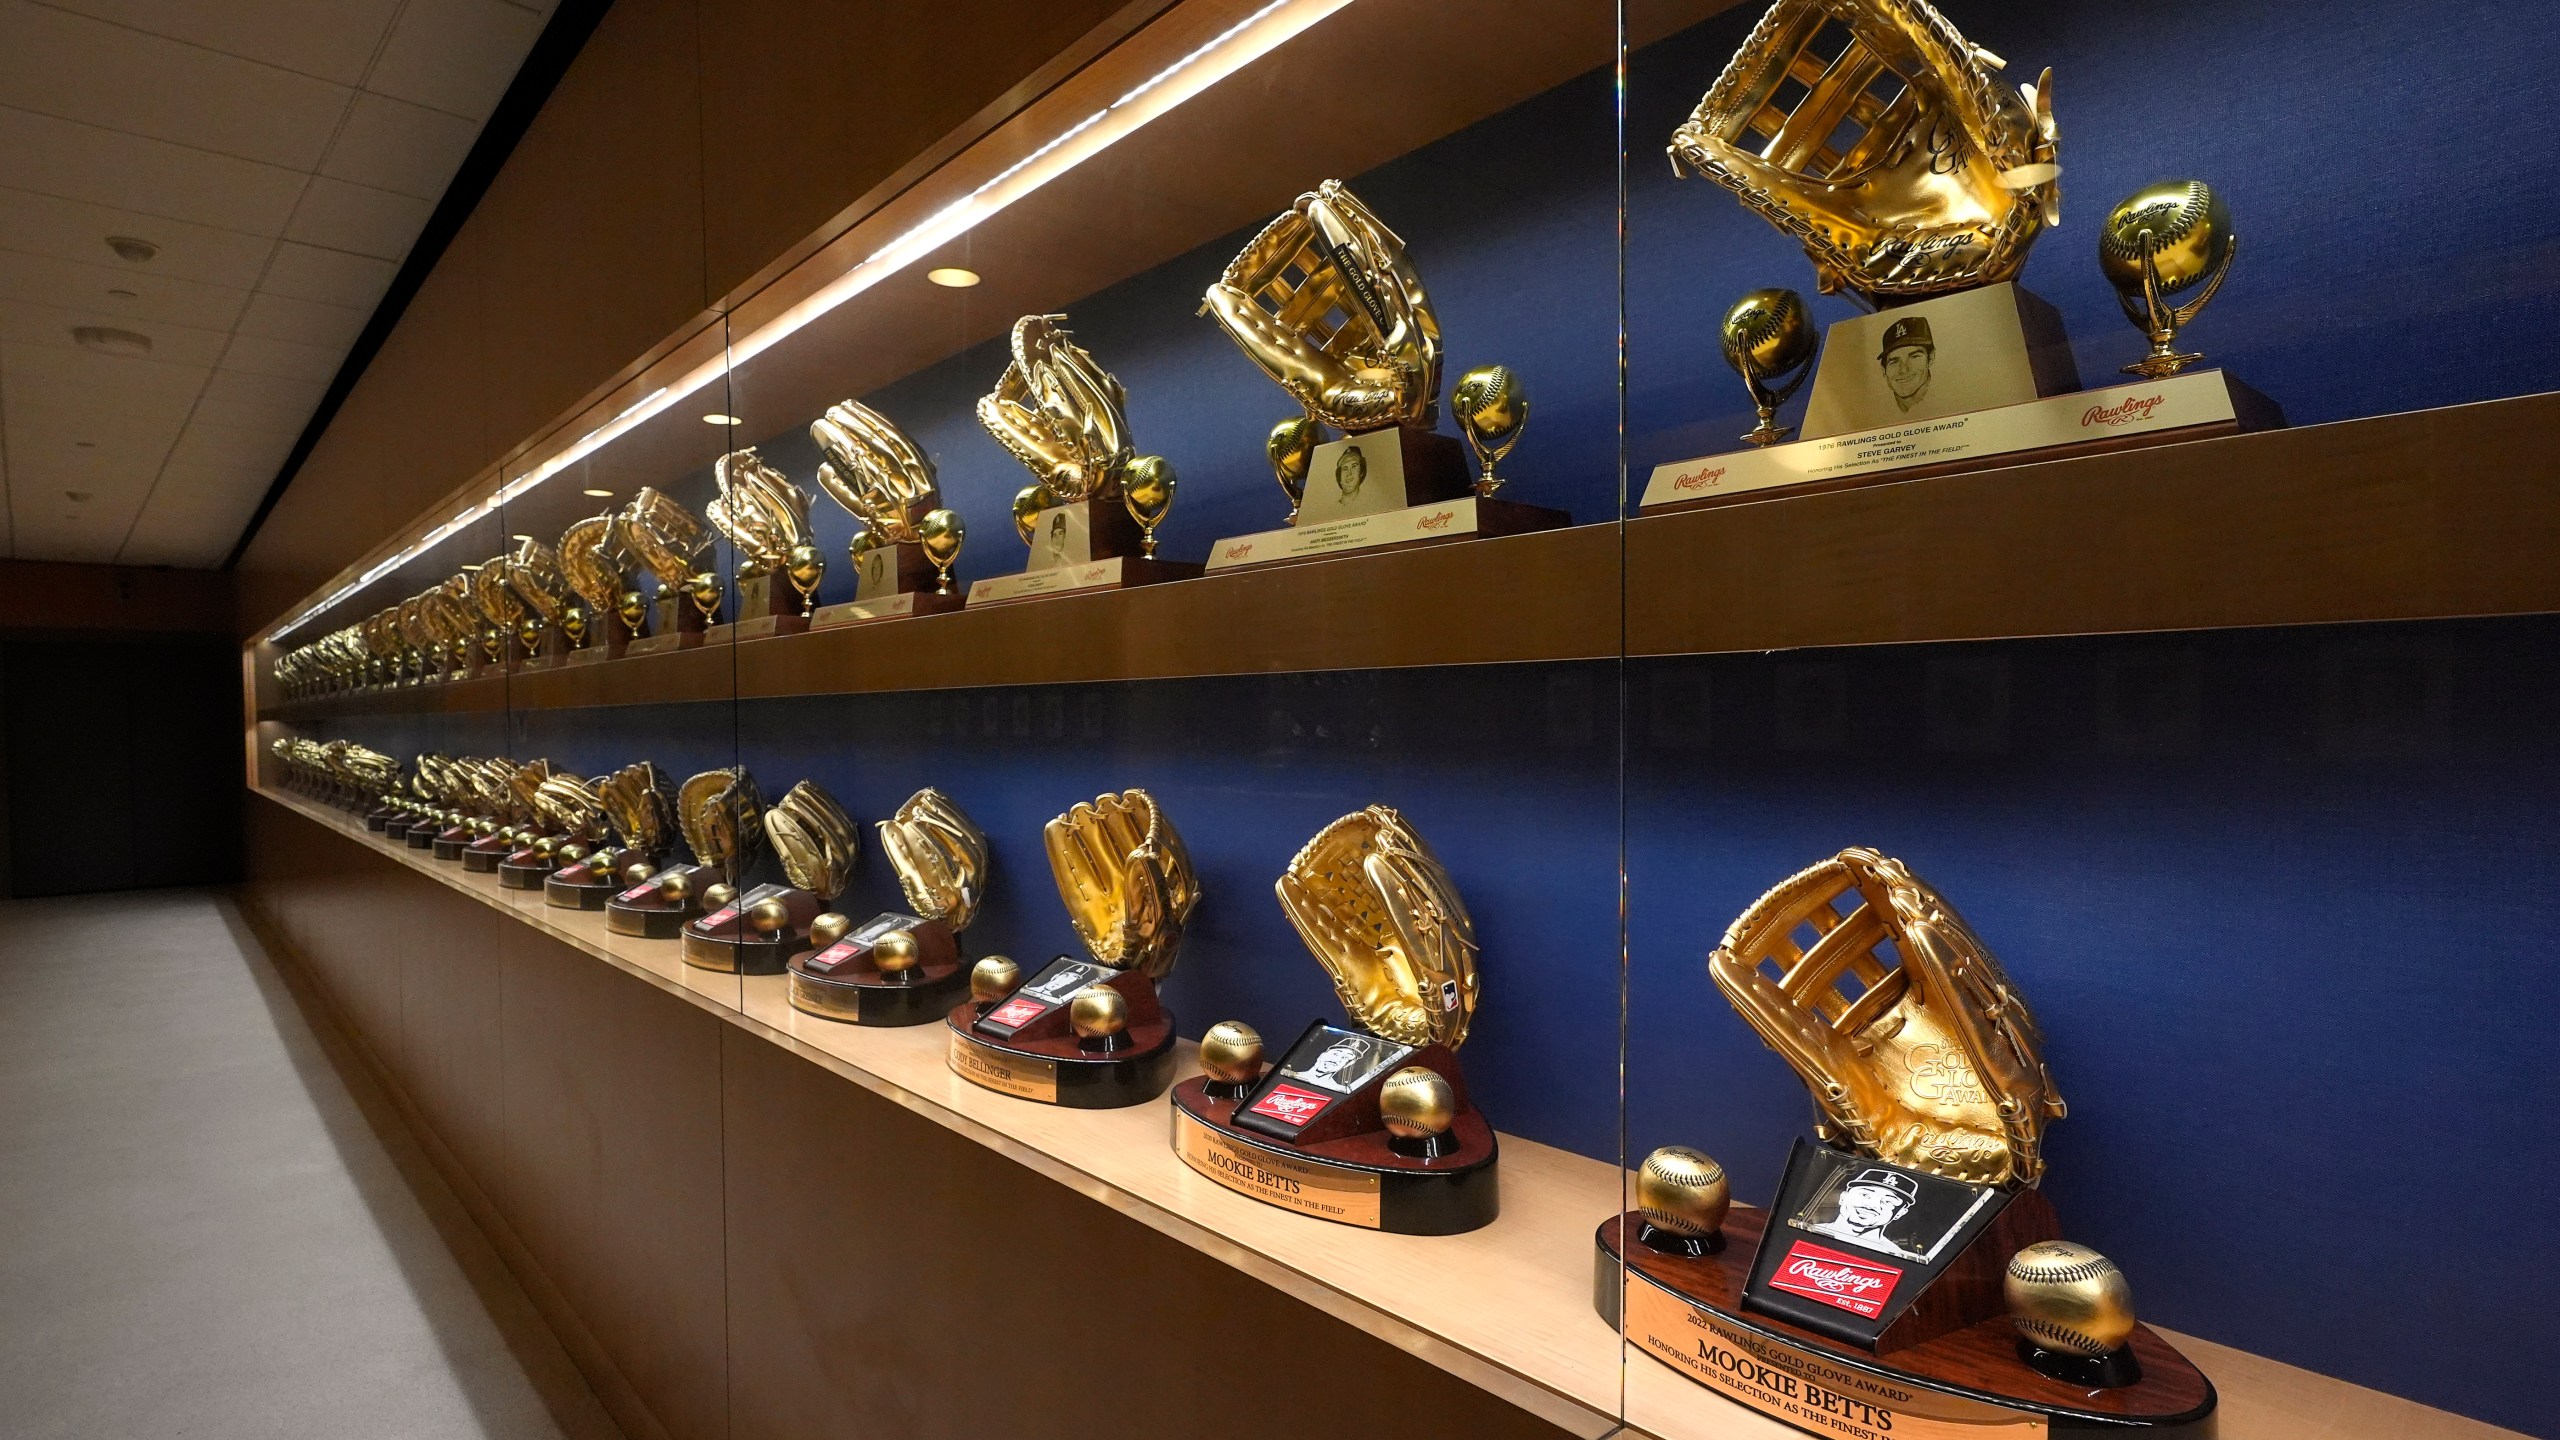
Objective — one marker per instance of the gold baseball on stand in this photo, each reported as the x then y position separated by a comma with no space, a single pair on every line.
804,567
1098,1012
768,916
1292,448
1417,1102
571,852
718,894
703,589
1147,490
2069,1298
895,952
1028,502
1232,1053
637,873
941,532
827,929
1767,337
633,609
2163,240
1492,409
1683,1191
993,979
676,888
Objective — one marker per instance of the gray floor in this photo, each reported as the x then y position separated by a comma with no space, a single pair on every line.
202,1232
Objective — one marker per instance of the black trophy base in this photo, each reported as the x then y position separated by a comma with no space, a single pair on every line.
1686,1311
449,849
1061,1072
649,922
578,895
1360,1179
732,955
483,862
875,999
515,876
378,821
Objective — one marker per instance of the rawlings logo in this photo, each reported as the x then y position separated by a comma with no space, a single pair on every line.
636,891
833,956
1698,479
2125,412
1434,522
1840,1281
1290,1105
1015,1012
1238,552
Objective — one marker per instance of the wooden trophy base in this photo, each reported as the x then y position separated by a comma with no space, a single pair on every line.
525,869
1437,523
841,982
1044,1060
640,910
450,843
1098,549
723,941
1355,1180
1971,1383
378,821
421,836
891,582
588,884
767,606
677,625
888,607
484,855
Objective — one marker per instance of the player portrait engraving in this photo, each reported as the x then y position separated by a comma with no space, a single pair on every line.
1886,1210
1907,356
1350,472
1347,1061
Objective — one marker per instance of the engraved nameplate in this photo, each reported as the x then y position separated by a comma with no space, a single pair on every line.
1350,1197
1448,519
855,612
1098,574
1022,1075
2148,407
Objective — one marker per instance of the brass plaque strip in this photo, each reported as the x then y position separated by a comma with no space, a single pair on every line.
1031,1079
1347,1196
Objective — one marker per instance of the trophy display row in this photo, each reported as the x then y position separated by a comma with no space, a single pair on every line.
1909,1276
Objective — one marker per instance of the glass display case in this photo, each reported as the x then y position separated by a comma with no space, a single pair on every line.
1454,603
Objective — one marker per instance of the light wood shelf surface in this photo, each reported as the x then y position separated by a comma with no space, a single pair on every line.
1507,1308
2429,515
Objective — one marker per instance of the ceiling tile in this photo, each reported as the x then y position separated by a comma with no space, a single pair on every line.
339,216
116,433
204,446
276,392
281,317
307,272
81,69
75,230
32,325
129,172
394,145
455,55
273,421
262,356
154,297
331,39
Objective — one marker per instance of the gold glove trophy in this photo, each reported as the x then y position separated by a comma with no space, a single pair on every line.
390,794
667,541
1089,1034
766,518
480,810
1090,514
1367,1124
901,968
515,826
415,805
1909,1279
501,613
608,614
591,863
755,933
533,573
904,543
721,813
1917,179
653,899
566,817
449,625
435,782
1326,302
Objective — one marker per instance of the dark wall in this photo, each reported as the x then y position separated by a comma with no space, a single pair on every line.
122,762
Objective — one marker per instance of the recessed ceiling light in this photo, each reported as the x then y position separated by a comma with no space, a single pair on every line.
953,276
78,497
123,294
86,444
722,420
601,494
111,340
132,248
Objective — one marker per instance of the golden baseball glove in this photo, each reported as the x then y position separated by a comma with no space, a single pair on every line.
723,815
662,535
758,508
1384,919
592,562
1127,881
533,572
1915,1045
873,469
940,857
815,839
1326,303
493,596
1060,413
640,804
1906,166
523,786
567,804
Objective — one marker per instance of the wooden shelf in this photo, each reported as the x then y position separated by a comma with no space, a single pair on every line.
1507,1307
2432,514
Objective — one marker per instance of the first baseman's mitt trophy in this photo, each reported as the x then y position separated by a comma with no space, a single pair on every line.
1090,513
1367,1124
901,967
766,518
561,814
666,539
1089,1034
884,479
591,868
756,932
1327,303
1909,1279
654,899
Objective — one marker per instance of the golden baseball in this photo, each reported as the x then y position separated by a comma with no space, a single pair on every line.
1683,1191
1417,1102
1098,1011
2069,1298
1232,1052
993,978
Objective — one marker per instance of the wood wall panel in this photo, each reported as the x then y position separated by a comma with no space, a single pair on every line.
451,1040
47,595
612,1169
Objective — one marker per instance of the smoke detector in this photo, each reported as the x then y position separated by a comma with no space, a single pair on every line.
132,249
108,339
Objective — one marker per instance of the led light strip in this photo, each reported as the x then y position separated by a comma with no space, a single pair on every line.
1239,45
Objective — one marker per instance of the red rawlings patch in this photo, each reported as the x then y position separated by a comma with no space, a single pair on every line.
1016,1012
1290,1105
1843,1282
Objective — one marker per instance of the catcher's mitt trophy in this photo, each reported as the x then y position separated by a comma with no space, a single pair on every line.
766,518
755,932
608,612
901,967
1909,1279
667,541
883,478
1089,1034
651,898
561,813
1367,1124
1325,301
1090,514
